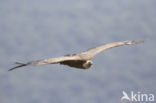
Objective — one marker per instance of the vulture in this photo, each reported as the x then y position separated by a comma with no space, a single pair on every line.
82,60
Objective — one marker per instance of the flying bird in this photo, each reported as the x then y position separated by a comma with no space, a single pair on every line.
81,60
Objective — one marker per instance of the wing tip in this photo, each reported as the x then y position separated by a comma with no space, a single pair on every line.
134,42
11,69
18,66
138,41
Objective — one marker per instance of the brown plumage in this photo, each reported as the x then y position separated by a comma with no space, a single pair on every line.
74,63
80,60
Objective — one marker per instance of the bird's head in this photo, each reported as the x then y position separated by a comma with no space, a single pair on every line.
87,64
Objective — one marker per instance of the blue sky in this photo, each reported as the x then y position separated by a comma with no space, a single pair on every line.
37,29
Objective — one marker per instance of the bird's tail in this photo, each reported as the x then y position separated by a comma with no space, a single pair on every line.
18,66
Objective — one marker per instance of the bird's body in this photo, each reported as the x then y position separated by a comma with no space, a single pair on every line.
78,64
80,60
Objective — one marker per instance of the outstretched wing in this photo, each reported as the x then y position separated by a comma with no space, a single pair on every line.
93,51
47,61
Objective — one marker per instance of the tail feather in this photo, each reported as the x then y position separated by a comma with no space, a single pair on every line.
19,65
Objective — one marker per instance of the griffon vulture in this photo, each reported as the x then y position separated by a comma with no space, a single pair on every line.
81,60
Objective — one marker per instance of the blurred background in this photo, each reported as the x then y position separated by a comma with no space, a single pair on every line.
38,29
